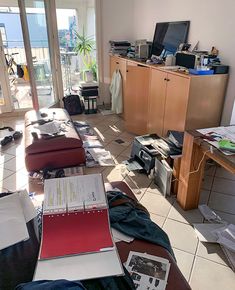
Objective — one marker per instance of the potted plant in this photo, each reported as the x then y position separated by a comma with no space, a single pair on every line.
85,46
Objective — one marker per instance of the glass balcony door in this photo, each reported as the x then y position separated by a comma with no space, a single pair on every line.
39,57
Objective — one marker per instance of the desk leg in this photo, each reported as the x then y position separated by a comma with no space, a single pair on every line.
190,184
176,173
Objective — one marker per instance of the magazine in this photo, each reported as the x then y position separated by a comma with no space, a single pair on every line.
148,272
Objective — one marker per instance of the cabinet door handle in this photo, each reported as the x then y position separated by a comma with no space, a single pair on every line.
165,79
117,62
127,70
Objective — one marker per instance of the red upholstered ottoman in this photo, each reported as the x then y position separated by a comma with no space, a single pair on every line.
46,152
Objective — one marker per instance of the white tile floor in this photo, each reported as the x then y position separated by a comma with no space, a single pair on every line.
204,266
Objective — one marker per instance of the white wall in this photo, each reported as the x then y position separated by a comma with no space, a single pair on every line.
116,24
212,23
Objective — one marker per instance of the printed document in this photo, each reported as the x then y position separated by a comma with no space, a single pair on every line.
12,221
74,193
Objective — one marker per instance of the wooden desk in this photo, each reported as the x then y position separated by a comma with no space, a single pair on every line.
195,153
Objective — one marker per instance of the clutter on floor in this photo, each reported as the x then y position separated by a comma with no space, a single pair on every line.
217,231
153,155
8,134
96,155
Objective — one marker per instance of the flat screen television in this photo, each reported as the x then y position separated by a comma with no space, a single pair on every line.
168,36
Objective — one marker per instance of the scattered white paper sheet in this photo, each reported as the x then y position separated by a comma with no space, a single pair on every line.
204,232
12,221
102,156
92,144
49,128
119,236
27,206
230,255
209,214
226,236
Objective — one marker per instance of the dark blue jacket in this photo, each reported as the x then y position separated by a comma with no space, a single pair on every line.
131,218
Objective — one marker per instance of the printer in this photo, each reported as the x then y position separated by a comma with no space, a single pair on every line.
146,148
143,152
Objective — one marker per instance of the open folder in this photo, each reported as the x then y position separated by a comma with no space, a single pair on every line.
76,231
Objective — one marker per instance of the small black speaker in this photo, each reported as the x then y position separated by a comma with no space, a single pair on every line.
220,68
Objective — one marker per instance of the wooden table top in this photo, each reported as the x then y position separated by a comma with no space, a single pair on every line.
226,161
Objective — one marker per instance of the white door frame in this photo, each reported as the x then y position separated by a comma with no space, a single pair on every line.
54,52
4,82
28,53
52,30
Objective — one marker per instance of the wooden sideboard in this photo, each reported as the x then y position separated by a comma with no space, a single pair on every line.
157,100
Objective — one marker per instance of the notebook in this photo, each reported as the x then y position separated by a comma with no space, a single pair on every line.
76,228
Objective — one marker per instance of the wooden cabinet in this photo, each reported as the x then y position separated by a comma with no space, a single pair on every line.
157,100
157,92
168,100
136,98
177,91
182,102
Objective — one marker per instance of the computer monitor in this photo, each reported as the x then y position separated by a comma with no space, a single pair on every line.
168,36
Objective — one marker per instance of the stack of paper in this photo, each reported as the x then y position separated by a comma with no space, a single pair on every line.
15,211
102,156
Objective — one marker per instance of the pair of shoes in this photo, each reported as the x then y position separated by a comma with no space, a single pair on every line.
6,140
17,135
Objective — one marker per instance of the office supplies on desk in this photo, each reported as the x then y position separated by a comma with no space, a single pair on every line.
76,225
216,135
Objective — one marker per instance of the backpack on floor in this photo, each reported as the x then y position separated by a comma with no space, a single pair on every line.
73,104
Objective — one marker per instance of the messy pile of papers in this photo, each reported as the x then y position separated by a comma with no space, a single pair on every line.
16,210
148,271
217,231
96,155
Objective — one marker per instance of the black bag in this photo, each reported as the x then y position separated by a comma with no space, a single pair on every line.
20,71
73,104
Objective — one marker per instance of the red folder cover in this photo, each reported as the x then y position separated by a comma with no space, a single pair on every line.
75,233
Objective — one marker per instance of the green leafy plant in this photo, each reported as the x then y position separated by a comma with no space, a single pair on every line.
85,45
